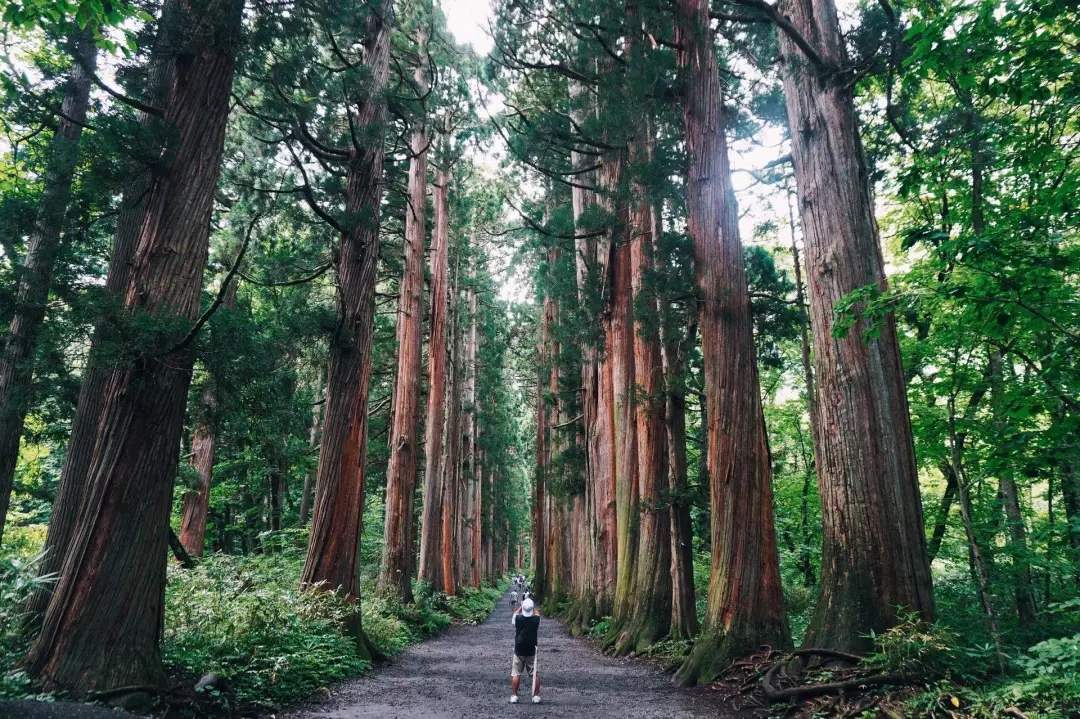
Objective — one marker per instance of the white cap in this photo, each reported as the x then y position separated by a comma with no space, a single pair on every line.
527,607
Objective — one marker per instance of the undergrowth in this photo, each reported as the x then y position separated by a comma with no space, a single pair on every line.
246,618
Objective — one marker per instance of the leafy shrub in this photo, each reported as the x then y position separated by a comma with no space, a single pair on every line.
916,648
18,580
247,619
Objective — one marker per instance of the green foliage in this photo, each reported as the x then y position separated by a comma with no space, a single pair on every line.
18,580
246,619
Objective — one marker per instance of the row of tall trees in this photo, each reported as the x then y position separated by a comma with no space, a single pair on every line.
251,361
622,112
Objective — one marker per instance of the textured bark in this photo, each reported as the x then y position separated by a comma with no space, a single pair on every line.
873,551
395,575
431,517
83,436
451,471
684,619
333,554
745,607
35,274
651,612
203,441
313,441
626,469
471,527
539,513
102,627
588,585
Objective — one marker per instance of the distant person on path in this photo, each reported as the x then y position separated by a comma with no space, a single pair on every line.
526,621
513,598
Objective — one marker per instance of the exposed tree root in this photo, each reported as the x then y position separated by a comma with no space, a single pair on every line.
773,694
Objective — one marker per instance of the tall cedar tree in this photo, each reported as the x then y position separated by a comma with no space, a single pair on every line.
333,554
396,574
745,607
83,436
102,627
874,559
432,511
35,274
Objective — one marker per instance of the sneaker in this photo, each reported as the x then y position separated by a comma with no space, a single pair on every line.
536,699
513,698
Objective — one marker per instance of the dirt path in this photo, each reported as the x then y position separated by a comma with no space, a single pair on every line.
465,672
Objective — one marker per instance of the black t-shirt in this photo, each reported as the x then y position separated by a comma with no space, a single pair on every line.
525,629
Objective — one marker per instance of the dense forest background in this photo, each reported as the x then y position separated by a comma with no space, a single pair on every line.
317,323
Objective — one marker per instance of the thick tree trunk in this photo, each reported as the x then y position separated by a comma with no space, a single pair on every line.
35,274
396,574
102,627
451,471
874,557
431,517
83,436
333,556
588,584
471,510
651,613
539,513
684,619
313,441
745,607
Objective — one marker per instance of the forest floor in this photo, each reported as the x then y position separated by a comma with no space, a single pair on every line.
465,672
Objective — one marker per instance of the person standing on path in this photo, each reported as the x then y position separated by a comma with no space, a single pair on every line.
513,599
526,621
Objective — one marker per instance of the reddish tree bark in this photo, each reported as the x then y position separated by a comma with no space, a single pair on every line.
395,575
651,614
83,436
336,526
451,470
35,274
626,480
102,627
204,438
745,607
431,517
588,584
873,551
543,450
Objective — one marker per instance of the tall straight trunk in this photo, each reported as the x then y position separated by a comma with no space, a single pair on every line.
588,585
605,556
651,612
102,627
471,510
684,619
451,472
478,477
313,442
745,606
333,554
35,274
395,572
539,513
431,517
71,487
874,557
203,441
626,468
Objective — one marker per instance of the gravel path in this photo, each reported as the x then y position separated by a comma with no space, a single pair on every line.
465,672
